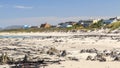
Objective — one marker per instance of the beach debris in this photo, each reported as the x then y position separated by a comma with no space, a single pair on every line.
107,53
64,53
117,58
89,50
25,59
83,51
53,51
4,59
89,58
100,57
58,40
73,58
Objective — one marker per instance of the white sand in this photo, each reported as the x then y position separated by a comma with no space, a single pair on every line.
74,45
85,64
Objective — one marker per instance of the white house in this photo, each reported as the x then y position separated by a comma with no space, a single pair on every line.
67,24
26,26
111,20
86,23
64,25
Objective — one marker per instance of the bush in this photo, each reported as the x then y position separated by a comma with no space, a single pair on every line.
99,24
114,25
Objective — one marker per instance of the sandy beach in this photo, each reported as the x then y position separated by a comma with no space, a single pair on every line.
36,46
59,33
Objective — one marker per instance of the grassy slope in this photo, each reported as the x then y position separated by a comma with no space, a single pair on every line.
114,25
98,25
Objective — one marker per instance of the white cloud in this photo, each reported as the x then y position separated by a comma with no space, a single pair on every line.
22,7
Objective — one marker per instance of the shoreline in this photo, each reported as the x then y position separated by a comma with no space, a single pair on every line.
58,33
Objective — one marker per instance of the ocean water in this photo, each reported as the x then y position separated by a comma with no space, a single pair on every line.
13,36
30,36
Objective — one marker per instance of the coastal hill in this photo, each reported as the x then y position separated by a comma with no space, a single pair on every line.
82,25
111,27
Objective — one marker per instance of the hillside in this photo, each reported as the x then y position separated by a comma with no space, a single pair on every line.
114,25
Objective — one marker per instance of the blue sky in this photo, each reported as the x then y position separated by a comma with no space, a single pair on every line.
35,12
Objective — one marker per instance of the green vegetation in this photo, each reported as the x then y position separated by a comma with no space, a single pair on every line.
97,25
114,25
38,30
75,27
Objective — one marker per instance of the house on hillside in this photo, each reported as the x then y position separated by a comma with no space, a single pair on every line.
118,18
26,26
53,26
86,23
46,25
34,26
66,24
71,23
111,20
